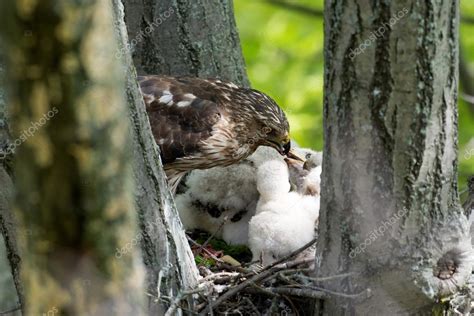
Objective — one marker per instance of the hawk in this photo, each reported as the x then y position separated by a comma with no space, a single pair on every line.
203,123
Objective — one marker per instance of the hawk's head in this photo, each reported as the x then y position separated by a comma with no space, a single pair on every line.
262,119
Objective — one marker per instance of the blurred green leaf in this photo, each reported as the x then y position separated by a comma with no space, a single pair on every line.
284,55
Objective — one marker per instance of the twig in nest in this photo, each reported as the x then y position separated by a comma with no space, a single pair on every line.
180,297
268,271
291,303
321,279
335,293
291,255
298,292
249,302
308,293
204,249
226,218
233,268
219,276
254,288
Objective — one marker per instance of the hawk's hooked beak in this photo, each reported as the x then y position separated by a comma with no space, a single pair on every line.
288,152
294,156
284,148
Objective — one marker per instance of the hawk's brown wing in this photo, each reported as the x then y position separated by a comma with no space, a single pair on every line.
180,115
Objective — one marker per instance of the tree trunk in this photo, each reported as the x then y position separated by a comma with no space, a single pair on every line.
168,259
390,206
197,38
193,38
10,297
72,162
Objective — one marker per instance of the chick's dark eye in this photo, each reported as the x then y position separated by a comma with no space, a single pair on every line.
308,156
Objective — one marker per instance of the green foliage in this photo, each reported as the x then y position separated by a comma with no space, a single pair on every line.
284,55
207,262
283,51
239,252
466,115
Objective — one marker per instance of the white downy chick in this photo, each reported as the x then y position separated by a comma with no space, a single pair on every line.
312,182
275,234
272,179
284,221
228,192
214,194
220,199
306,177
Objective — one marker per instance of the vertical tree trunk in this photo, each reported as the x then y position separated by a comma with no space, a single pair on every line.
167,257
9,252
197,38
72,162
390,206
194,38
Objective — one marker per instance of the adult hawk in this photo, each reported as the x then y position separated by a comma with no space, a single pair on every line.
204,123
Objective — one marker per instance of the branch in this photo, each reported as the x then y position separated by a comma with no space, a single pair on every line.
256,278
308,293
300,8
318,13
467,19
179,298
8,312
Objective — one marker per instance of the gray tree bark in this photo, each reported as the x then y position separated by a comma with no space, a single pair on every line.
167,256
390,207
196,38
10,297
72,162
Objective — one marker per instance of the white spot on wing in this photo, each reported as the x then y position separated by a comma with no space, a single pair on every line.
166,98
231,85
189,96
183,103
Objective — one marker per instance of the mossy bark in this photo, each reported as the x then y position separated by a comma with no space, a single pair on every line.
10,297
178,37
72,159
390,205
